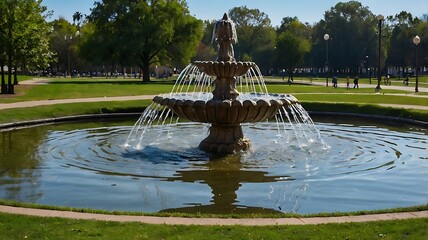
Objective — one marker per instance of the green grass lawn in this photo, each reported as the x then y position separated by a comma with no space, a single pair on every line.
84,88
64,88
26,227
70,109
395,81
362,99
298,88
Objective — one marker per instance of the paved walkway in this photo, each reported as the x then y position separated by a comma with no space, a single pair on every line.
212,221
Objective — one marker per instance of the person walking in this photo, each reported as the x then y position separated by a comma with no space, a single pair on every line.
406,81
356,82
387,80
347,82
334,81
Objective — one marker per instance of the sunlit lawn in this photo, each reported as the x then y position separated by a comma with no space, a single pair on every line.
84,89
64,88
25,227
423,79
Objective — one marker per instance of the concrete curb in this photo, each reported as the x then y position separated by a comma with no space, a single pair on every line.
370,117
136,114
212,221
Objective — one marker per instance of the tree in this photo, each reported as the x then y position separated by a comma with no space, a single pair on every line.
144,32
77,18
421,29
23,36
292,44
63,42
255,33
401,51
32,47
206,50
353,36
3,55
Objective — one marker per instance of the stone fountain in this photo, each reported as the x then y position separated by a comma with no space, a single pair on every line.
225,111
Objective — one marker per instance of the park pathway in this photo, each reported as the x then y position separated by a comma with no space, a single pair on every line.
213,221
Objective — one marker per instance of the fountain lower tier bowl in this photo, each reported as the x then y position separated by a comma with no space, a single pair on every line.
252,108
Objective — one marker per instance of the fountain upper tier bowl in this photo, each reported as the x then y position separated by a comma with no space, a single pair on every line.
224,69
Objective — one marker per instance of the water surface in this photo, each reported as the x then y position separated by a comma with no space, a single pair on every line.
365,166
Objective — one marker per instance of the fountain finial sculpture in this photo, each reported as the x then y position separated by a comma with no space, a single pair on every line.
225,111
225,35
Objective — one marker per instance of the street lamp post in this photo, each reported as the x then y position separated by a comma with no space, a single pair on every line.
368,69
416,41
67,39
326,38
379,19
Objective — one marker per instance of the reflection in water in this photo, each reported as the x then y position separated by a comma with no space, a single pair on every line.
19,171
84,165
224,176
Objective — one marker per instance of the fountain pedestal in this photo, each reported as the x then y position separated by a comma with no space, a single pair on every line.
225,139
226,134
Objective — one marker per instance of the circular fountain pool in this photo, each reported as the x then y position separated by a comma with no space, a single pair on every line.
85,165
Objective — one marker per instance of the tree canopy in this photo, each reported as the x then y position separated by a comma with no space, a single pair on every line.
254,32
23,38
353,33
143,33
293,44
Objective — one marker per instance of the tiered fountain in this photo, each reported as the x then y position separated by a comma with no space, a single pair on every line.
225,111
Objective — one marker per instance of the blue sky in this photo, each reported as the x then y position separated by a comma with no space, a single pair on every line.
306,10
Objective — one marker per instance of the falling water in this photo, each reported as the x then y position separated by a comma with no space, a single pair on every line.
193,84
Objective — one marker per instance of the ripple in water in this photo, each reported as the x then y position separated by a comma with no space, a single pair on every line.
365,167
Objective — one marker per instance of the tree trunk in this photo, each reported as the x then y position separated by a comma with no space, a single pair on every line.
145,67
10,87
15,76
3,82
290,75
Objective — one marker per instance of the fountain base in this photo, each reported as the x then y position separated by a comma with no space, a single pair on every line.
225,139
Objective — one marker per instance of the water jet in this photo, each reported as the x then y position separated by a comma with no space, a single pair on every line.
225,109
